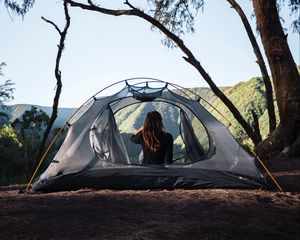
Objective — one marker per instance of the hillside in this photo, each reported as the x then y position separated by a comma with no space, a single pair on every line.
246,96
17,110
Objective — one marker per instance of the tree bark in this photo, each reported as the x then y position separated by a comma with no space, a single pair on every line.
255,123
260,61
285,77
61,46
190,58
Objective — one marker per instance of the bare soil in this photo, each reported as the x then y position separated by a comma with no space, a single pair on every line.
179,214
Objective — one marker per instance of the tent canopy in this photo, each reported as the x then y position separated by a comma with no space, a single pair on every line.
97,153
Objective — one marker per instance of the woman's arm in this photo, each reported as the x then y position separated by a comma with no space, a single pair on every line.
135,136
138,131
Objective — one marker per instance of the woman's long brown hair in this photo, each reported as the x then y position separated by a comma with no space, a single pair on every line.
152,127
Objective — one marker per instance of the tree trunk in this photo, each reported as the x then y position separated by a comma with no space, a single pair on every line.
255,123
261,63
285,77
25,154
57,72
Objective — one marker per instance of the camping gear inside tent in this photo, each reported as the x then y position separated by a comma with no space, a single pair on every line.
97,153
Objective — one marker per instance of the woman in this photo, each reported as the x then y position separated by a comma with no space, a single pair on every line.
156,143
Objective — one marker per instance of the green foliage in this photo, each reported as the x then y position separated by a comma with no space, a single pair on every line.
17,110
1,66
294,6
176,15
135,115
12,168
18,8
6,94
33,121
264,122
6,88
30,129
179,16
246,96
8,132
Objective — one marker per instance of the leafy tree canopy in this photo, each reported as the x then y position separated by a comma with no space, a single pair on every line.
19,7
6,88
8,133
32,120
10,156
294,6
6,94
177,15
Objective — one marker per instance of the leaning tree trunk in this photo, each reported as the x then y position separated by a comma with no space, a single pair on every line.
261,63
285,77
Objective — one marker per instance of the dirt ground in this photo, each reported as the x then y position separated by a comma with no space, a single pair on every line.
179,214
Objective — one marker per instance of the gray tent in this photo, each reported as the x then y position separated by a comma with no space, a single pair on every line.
96,152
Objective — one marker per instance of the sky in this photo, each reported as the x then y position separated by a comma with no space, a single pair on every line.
101,50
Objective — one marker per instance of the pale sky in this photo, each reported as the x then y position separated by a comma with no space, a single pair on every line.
104,49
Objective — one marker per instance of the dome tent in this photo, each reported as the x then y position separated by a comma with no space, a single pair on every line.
96,152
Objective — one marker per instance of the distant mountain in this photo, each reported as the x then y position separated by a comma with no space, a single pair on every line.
17,110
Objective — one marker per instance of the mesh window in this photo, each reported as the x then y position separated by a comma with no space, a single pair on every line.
106,139
194,137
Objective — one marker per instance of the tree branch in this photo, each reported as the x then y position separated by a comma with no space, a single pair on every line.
256,123
261,63
190,58
53,24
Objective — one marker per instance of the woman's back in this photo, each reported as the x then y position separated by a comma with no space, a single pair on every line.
157,144
162,155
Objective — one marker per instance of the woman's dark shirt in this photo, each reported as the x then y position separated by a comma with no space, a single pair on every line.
163,155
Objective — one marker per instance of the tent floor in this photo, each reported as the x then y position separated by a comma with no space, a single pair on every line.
147,178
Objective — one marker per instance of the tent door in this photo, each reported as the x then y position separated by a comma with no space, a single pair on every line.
193,148
106,139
